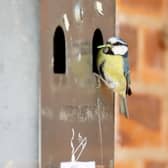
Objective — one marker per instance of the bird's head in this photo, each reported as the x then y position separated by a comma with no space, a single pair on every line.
118,46
115,46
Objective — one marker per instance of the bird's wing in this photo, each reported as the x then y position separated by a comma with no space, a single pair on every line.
101,72
127,76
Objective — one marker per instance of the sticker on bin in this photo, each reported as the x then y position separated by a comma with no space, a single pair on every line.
90,164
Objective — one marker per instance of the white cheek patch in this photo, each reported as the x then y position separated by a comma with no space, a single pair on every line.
120,50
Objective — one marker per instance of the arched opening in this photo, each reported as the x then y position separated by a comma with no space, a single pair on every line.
97,40
59,63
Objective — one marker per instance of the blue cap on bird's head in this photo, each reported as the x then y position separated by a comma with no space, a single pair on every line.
116,41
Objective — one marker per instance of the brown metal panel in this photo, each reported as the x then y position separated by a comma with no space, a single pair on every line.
71,100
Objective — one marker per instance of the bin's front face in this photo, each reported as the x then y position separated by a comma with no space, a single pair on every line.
69,97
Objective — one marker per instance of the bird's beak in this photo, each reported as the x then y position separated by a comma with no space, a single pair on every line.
102,46
105,45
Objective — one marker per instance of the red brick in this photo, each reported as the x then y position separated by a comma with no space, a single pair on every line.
129,34
155,76
125,164
146,110
133,134
156,164
143,126
142,7
154,48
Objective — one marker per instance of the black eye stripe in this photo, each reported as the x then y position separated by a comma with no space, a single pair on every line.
118,43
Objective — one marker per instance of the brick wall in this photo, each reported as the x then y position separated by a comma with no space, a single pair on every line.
142,140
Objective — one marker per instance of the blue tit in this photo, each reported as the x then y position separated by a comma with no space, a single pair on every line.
113,68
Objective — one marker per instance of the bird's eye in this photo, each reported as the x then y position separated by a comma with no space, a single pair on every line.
107,50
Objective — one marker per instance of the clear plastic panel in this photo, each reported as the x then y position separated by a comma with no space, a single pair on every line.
72,106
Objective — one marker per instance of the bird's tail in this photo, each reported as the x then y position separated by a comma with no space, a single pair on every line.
123,106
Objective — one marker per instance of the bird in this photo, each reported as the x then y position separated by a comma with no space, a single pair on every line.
113,69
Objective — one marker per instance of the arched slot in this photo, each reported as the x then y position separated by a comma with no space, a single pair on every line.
59,63
97,40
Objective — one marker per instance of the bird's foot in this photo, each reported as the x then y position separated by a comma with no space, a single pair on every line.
98,77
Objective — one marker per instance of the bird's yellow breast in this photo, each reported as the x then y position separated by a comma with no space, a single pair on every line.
114,71
114,64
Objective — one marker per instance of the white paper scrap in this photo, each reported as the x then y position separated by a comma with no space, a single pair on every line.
99,7
90,164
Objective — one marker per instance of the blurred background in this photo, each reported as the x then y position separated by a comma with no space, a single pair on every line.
142,140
